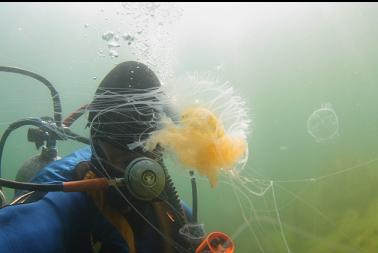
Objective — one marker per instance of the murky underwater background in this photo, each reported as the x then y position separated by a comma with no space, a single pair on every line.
308,73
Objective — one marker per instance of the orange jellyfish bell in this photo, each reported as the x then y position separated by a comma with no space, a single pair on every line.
200,142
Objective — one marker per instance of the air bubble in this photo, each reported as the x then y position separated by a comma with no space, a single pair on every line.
108,36
113,53
113,44
128,37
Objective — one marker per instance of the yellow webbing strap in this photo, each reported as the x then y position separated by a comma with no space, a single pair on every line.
113,215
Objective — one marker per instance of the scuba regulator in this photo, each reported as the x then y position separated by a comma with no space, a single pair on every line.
144,178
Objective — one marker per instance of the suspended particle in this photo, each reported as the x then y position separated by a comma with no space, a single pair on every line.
220,67
86,25
125,5
101,53
323,124
94,78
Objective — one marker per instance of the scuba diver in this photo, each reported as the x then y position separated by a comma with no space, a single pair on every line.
112,195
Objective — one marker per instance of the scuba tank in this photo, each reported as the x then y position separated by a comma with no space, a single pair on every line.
34,164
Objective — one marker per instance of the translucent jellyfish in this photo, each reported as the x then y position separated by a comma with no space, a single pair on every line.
193,232
323,124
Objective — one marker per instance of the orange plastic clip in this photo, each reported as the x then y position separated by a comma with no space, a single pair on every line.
216,242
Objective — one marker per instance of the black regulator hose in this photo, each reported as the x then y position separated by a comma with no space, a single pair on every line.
72,136
31,187
54,94
194,197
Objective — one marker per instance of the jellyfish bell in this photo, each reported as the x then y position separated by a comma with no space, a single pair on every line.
323,124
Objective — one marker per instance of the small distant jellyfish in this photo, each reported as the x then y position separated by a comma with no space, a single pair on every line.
94,78
323,124
86,25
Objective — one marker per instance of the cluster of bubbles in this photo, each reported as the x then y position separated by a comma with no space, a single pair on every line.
113,41
147,29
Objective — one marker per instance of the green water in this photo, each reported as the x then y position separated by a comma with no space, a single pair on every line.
285,60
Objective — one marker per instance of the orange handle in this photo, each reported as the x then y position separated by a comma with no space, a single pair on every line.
85,185
216,242
67,122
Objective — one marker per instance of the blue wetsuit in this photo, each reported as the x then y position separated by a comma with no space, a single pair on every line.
64,222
